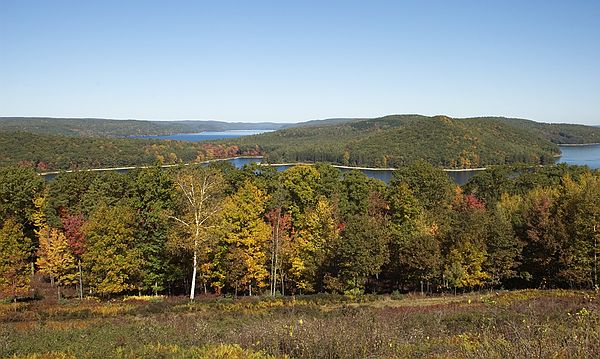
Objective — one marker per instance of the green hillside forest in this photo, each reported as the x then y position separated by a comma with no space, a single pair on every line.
392,141
395,141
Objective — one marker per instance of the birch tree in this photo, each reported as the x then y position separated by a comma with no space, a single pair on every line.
200,191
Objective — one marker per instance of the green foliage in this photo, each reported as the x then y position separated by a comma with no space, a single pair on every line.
53,152
399,140
360,252
97,127
112,261
18,187
430,185
300,184
503,247
15,271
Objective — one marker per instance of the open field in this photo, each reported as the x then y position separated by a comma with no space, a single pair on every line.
529,323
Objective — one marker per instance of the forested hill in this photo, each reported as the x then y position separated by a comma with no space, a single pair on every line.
54,152
95,127
560,133
397,140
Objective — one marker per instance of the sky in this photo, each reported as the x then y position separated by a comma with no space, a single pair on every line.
290,61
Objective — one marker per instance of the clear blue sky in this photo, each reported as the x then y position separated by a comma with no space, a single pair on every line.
290,61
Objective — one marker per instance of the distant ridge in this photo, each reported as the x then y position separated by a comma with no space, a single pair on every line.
398,140
99,127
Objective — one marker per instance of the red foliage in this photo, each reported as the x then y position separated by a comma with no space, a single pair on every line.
72,224
42,166
279,223
471,202
213,151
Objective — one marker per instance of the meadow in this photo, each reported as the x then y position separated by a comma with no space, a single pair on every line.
504,324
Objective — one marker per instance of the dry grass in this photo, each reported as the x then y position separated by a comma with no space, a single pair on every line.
528,324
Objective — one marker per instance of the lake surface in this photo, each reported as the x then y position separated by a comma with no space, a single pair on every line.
460,177
206,135
588,155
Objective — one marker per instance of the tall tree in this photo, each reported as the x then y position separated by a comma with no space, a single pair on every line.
300,184
465,243
579,213
430,185
312,247
112,261
55,258
281,224
504,248
245,238
200,192
151,195
18,187
542,238
73,229
15,250
361,251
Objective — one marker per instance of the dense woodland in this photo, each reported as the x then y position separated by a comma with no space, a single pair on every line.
52,152
308,229
395,141
392,141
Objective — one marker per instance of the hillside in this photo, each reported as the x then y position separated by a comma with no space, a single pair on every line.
391,141
559,133
55,152
397,140
95,127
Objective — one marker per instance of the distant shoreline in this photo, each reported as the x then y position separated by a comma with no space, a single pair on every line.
288,164
578,144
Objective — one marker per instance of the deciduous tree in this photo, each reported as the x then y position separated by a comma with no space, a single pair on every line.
15,249
200,190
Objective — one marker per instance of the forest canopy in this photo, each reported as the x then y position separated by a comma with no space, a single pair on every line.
308,229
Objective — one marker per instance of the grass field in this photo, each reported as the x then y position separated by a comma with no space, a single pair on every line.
528,324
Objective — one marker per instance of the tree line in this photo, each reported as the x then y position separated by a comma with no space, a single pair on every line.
219,229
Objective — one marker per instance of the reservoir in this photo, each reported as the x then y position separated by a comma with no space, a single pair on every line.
206,135
584,155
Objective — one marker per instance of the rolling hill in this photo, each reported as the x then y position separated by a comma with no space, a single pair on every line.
397,140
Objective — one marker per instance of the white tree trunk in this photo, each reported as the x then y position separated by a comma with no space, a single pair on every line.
193,288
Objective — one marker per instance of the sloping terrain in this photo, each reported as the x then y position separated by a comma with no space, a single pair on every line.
397,140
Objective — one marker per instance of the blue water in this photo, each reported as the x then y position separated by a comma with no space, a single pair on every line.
206,136
459,177
581,155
